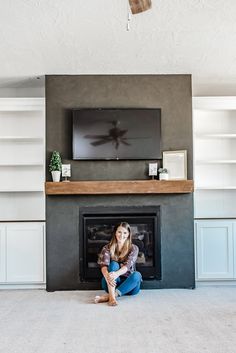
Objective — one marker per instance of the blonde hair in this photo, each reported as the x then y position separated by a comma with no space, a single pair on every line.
116,255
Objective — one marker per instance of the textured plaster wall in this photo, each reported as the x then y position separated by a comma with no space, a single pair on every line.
171,93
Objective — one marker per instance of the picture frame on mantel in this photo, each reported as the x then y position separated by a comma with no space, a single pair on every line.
176,164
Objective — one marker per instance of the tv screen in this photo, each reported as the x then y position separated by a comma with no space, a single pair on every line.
116,134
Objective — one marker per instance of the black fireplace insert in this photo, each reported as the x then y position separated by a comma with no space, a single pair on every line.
96,229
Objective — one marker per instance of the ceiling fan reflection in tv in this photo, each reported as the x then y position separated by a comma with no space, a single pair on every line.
116,134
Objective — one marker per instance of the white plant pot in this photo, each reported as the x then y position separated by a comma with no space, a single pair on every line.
163,176
56,175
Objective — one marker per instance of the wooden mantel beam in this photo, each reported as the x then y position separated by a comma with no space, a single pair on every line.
119,187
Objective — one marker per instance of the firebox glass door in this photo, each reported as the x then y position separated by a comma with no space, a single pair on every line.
98,232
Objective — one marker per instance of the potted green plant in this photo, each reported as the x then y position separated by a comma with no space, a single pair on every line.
55,166
163,174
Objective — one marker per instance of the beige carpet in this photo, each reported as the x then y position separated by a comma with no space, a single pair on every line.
155,321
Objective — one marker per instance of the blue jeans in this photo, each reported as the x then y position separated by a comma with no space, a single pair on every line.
125,285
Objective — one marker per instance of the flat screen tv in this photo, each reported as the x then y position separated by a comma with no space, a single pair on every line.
107,134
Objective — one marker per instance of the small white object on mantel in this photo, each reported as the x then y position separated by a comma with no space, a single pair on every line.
152,169
163,176
66,171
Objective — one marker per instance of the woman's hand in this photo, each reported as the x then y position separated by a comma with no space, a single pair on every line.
113,275
111,278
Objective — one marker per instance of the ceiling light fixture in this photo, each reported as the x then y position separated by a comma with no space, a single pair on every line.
138,6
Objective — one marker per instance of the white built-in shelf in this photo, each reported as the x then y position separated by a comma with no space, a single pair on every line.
21,104
214,141
22,165
21,138
215,136
214,103
217,161
214,132
23,190
215,187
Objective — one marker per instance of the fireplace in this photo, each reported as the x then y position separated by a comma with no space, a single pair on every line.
96,228
71,266
63,247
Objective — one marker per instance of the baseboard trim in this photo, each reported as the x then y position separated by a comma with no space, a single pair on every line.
221,283
22,286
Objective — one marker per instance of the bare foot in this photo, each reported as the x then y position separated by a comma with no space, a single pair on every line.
101,298
112,302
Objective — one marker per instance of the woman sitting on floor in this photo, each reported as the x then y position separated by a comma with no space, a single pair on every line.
117,260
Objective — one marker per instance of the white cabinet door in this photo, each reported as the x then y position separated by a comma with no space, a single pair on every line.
2,253
214,250
25,253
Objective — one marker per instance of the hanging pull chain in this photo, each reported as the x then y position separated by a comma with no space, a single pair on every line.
128,17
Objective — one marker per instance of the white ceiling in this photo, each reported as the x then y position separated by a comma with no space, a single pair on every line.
89,37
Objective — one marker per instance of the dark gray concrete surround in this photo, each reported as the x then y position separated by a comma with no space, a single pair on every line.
171,93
